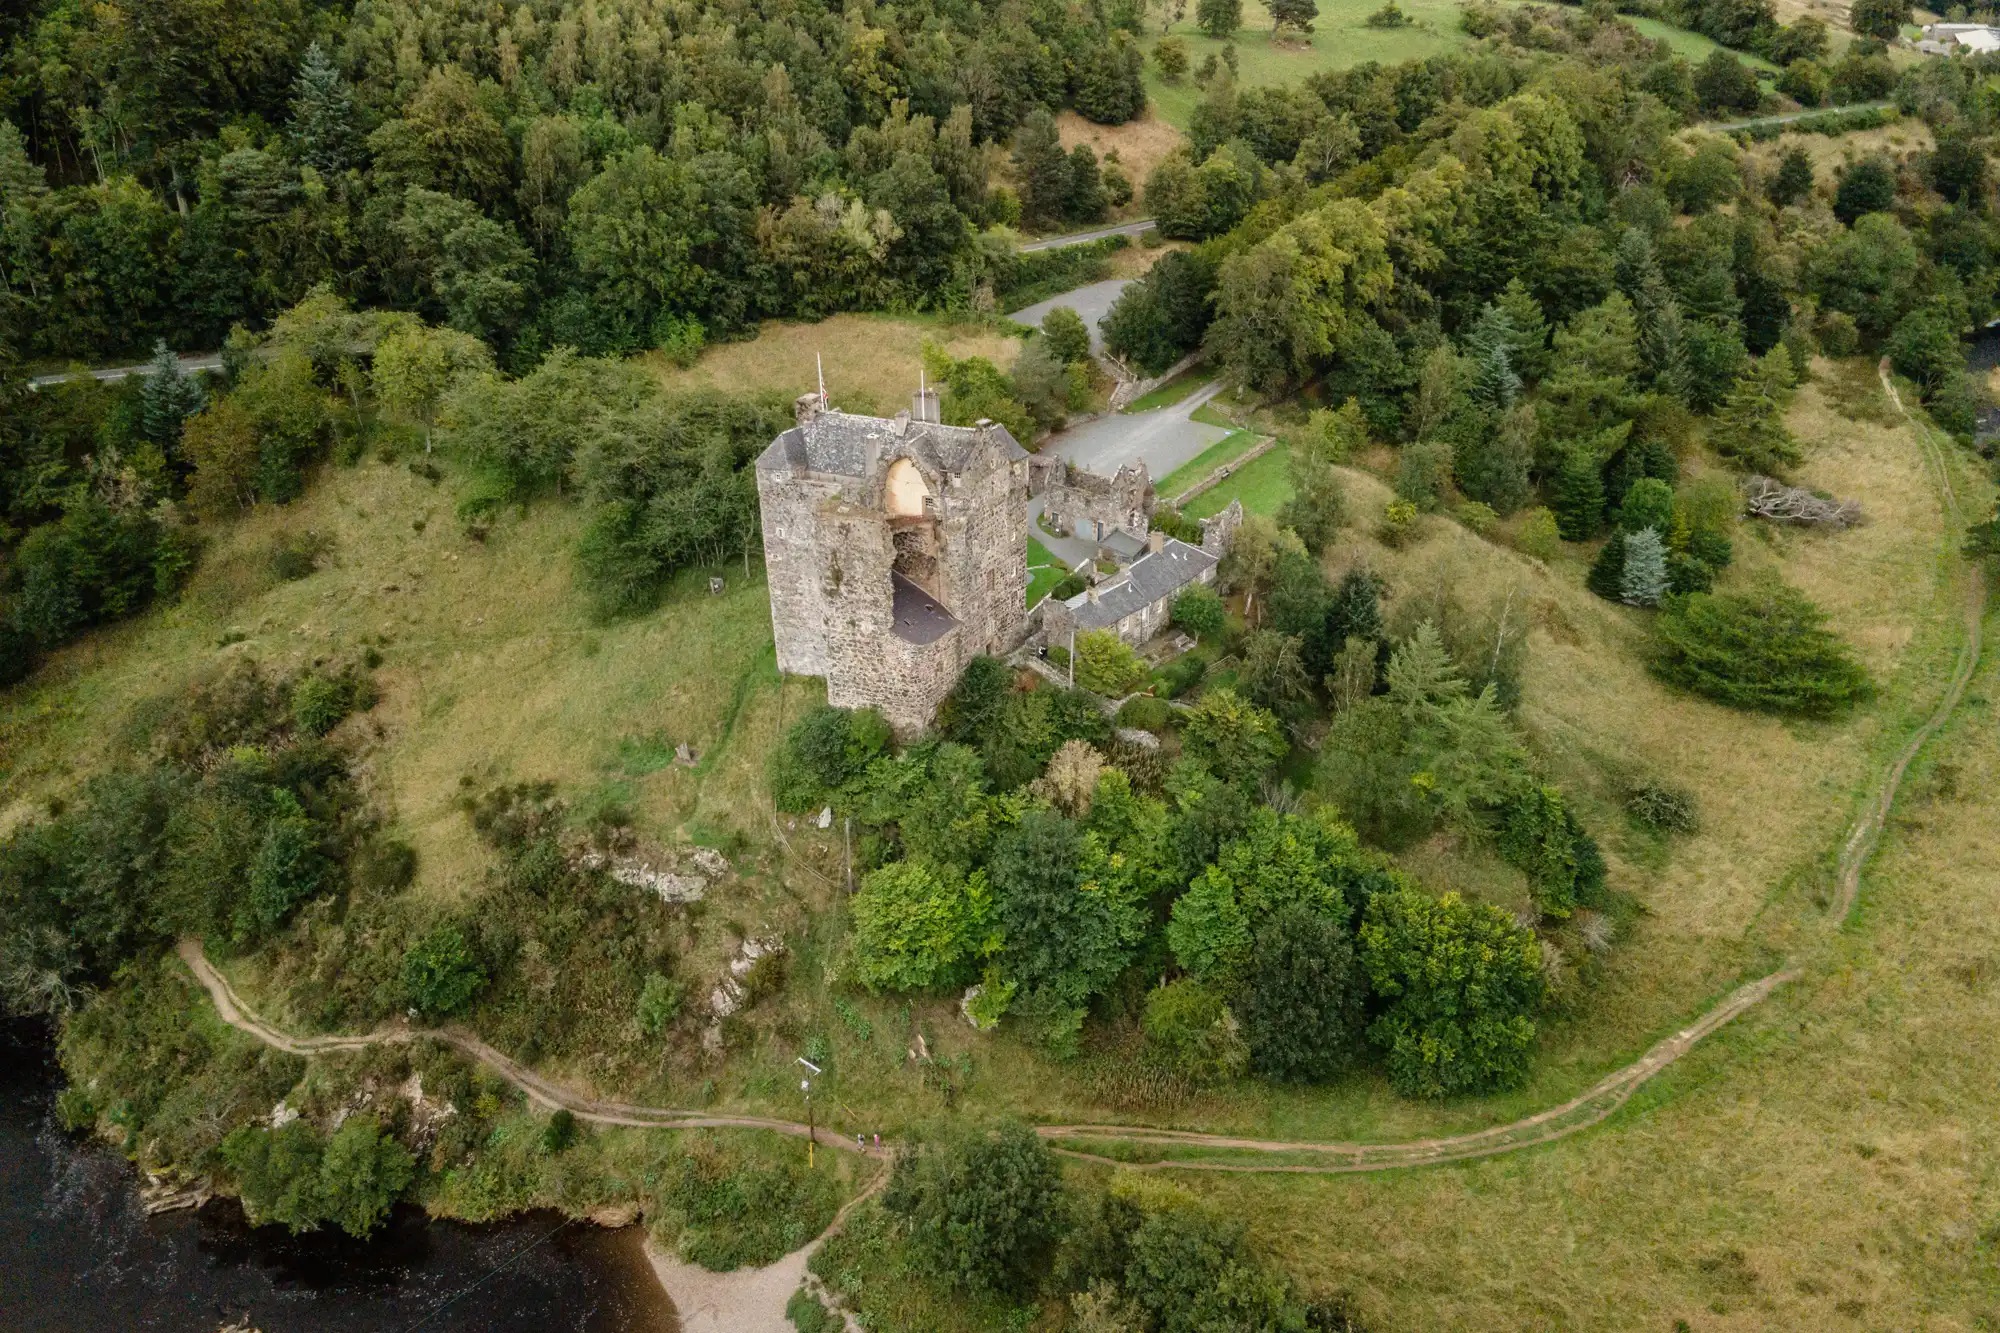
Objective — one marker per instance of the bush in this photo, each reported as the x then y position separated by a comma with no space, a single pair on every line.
559,1135
917,925
1191,1026
1106,664
1198,609
1146,713
822,751
808,1315
1065,335
319,703
289,1175
983,1207
1663,808
659,1004
441,974
1763,649
297,555
1463,983
1302,999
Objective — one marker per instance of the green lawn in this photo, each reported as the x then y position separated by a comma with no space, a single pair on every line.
1227,449
1175,390
1044,571
1342,39
1262,487
1690,46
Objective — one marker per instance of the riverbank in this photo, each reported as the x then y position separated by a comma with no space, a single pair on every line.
78,1254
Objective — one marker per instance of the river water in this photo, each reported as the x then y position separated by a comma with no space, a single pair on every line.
78,1256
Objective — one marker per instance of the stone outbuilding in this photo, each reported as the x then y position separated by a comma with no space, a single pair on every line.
1138,602
1093,508
894,551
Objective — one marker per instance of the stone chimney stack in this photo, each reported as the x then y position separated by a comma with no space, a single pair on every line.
1156,541
805,407
925,406
984,426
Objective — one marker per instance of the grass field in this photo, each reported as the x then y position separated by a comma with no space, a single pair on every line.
1044,571
1262,485
871,361
1225,450
1342,39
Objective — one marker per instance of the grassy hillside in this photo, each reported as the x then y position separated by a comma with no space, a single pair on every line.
492,672
1341,38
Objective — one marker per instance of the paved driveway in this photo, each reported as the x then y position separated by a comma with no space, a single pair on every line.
1091,302
1163,439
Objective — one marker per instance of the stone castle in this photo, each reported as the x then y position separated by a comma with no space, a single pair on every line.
894,550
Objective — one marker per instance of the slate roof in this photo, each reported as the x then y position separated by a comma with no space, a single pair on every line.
919,619
849,446
1155,576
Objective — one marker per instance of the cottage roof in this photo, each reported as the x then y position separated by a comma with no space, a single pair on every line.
1152,578
850,446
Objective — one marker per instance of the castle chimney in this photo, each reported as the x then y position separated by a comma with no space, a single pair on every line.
1156,541
1091,592
924,406
984,426
805,407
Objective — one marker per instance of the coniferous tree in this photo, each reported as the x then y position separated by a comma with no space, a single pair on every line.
1356,610
168,397
1495,385
1607,572
1750,428
1578,500
1643,581
1044,169
1086,186
1530,347
1794,180
1493,465
324,127
24,195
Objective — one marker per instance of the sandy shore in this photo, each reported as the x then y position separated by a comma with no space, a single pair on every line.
749,1300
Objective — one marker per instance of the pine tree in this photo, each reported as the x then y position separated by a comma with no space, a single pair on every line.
1495,385
1086,186
1531,329
1493,465
323,117
1578,501
1356,612
168,397
1663,343
1643,582
1044,169
1635,268
1751,425
1607,572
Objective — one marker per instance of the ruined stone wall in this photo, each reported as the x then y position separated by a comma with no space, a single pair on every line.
991,556
1076,502
1218,534
796,568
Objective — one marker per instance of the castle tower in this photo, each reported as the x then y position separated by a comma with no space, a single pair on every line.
895,550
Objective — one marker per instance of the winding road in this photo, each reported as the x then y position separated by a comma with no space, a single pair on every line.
1588,1108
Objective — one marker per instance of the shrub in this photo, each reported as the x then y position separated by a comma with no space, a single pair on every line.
1190,1025
1146,713
440,972
916,925
1302,999
289,1175
659,1004
808,1315
319,703
1539,535
822,751
1462,983
297,555
1106,664
1763,649
559,1135
1541,837
1663,808
1198,609
1065,335
983,1207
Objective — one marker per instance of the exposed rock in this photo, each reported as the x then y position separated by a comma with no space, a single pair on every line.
1138,737
165,1192
282,1115
615,1215
825,817
712,862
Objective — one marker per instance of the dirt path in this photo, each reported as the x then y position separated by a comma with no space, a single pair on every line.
1586,1109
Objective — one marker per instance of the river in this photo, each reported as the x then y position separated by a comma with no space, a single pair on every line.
77,1255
